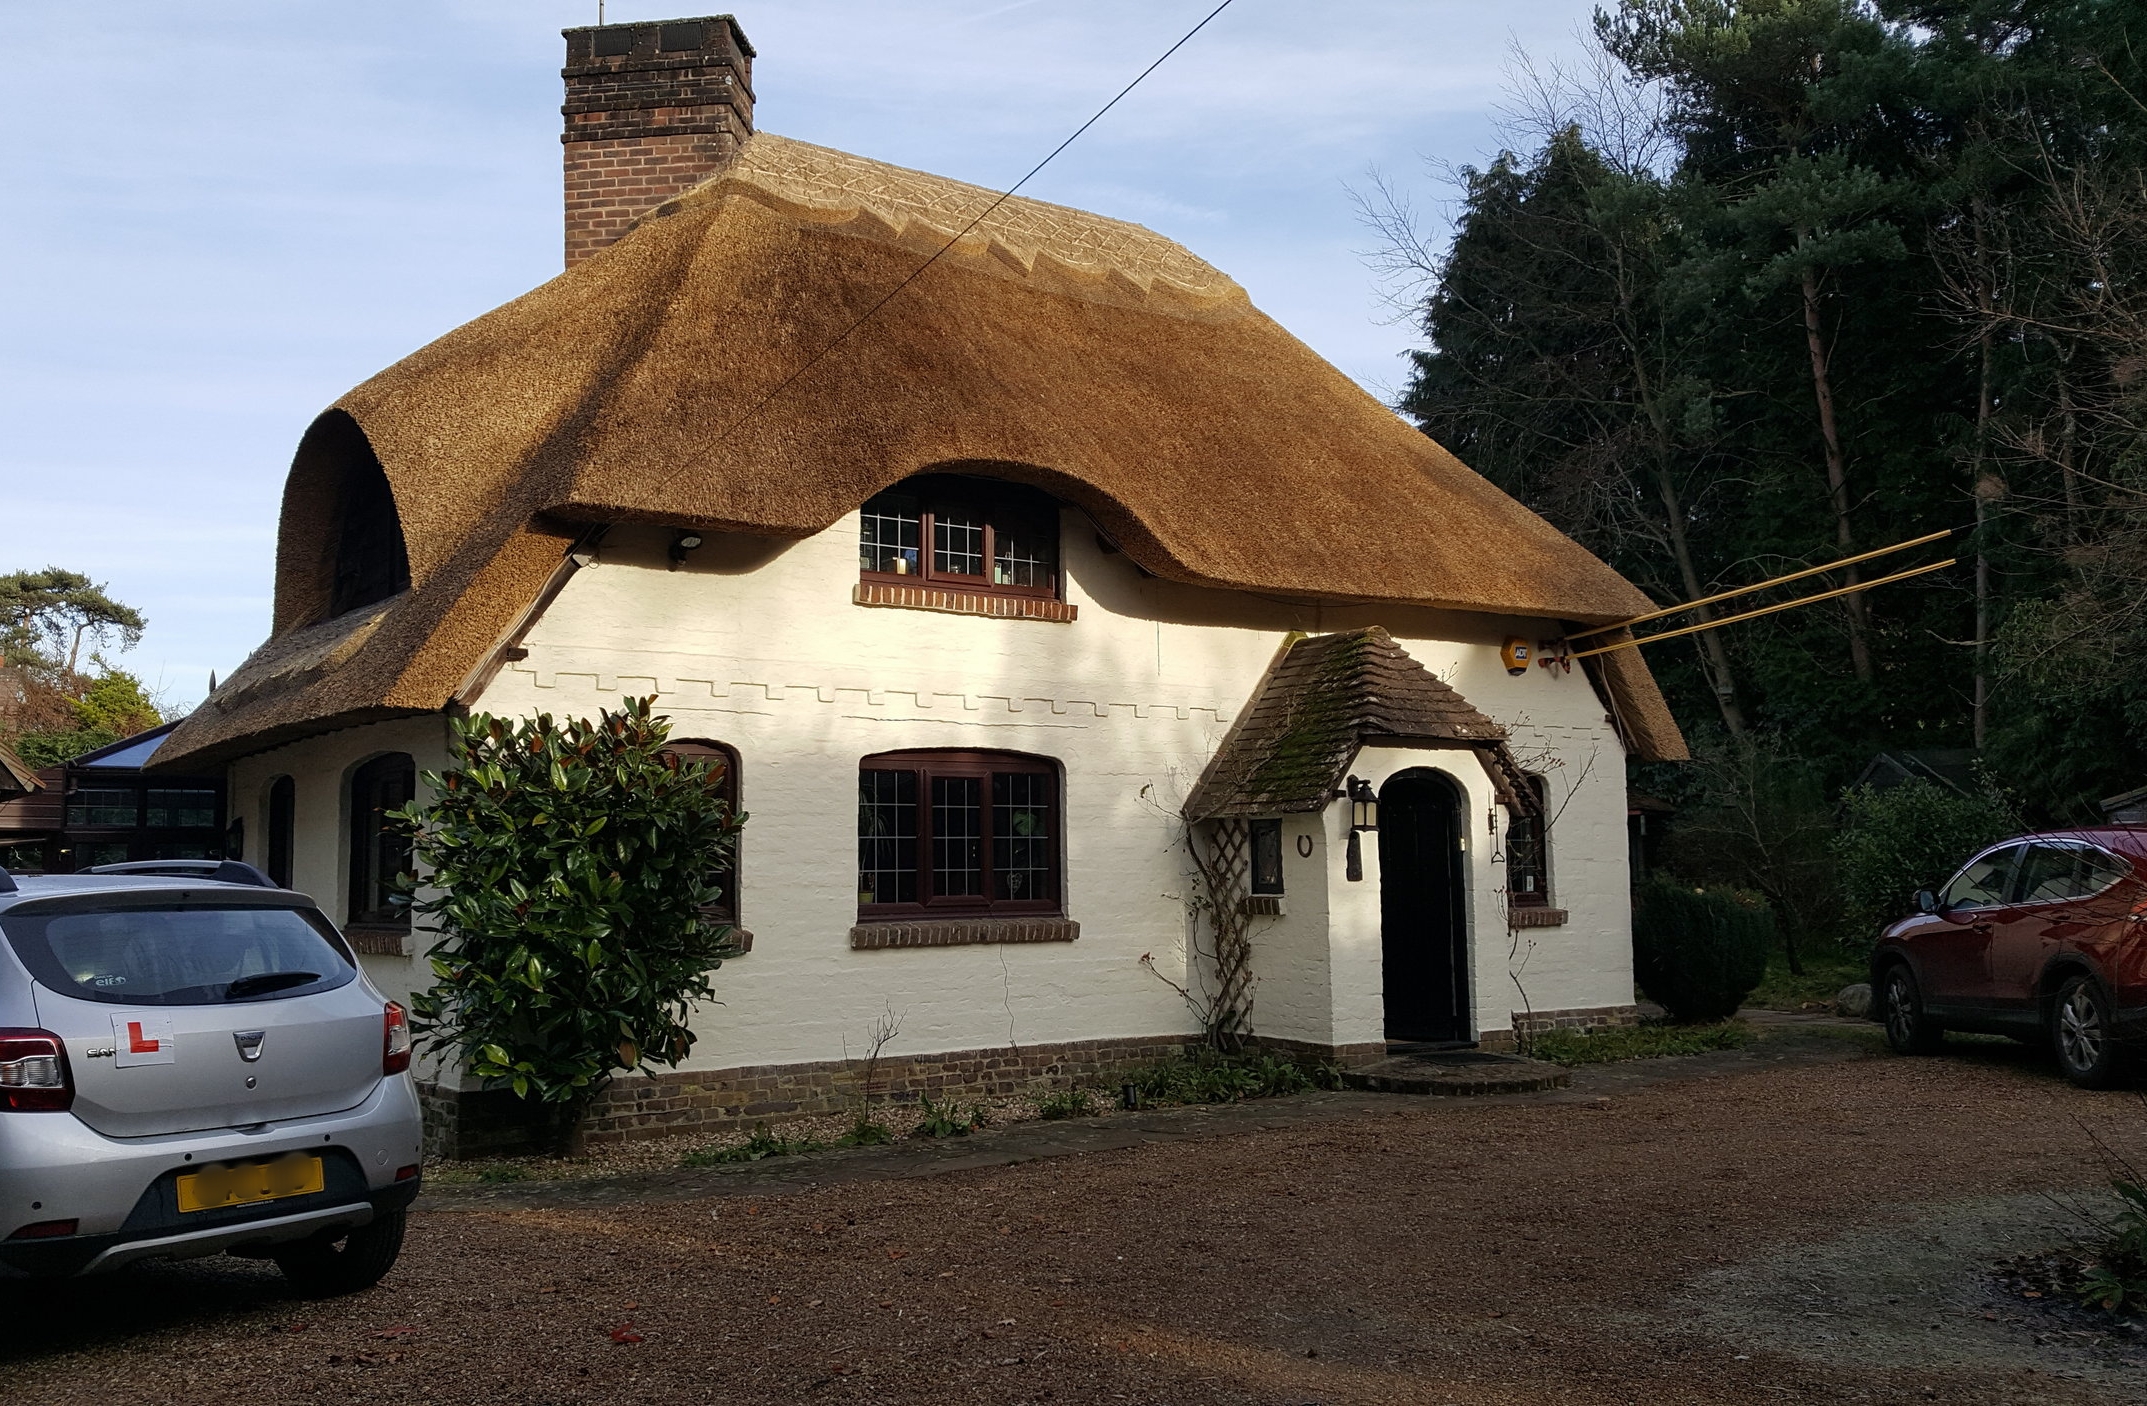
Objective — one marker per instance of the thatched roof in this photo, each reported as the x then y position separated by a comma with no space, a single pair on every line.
671,379
1324,698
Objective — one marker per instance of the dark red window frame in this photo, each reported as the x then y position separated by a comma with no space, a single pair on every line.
1528,853
724,909
983,789
1002,510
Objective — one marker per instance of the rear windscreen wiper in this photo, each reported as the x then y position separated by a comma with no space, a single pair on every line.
266,982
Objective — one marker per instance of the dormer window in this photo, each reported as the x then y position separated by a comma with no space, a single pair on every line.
962,534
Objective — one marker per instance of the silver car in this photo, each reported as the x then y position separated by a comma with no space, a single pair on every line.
193,1066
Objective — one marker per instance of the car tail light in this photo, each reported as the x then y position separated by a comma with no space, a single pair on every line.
394,1040
33,1072
46,1230
408,1173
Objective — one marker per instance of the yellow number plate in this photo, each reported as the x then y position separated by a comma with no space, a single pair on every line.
242,1183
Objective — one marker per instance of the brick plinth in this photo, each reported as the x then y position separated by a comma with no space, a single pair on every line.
492,1122
1531,1023
651,111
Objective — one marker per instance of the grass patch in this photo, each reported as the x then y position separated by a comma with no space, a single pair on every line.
501,1172
1206,1077
1826,971
1647,1041
759,1147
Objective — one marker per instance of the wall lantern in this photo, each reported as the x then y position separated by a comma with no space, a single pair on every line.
1363,805
1363,816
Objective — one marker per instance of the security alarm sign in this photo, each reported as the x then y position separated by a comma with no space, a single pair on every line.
143,1039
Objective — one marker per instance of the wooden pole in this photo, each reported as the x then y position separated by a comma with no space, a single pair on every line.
1775,581
1763,610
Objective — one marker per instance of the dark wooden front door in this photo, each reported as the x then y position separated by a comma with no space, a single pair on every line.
1422,928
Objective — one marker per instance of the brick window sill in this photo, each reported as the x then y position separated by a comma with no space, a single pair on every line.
962,932
1536,918
954,602
377,940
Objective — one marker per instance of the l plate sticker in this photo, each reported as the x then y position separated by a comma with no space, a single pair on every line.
143,1039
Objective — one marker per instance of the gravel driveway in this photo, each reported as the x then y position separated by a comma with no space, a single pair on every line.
1649,1236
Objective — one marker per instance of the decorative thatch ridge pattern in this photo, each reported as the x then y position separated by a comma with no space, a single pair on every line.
671,379
1323,699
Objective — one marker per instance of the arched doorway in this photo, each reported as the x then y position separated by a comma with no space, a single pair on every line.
1423,925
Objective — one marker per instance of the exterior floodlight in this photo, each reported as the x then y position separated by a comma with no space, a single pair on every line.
682,542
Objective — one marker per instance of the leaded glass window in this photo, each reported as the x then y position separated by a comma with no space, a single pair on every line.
984,824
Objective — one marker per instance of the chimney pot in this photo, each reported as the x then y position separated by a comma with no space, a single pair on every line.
673,98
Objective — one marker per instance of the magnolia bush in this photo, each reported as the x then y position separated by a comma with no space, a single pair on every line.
571,868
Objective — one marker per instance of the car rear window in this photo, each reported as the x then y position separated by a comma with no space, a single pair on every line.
191,956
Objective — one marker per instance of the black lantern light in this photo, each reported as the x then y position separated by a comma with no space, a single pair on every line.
1363,816
1363,805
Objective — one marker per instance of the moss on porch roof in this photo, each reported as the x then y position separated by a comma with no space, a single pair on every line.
1323,699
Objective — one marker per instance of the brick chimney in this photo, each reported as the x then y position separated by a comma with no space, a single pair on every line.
652,110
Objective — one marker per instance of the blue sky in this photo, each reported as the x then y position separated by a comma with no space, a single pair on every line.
223,216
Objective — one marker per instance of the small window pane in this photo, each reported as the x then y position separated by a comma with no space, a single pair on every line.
182,810
1983,883
1021,835
887,837
889,536
105,806
1267,856
958,543
1024,556
957,836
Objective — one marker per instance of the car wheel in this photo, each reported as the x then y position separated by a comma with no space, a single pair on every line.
1908,1029
2081,1032
323,1268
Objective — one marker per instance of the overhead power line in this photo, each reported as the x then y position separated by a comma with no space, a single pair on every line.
862,318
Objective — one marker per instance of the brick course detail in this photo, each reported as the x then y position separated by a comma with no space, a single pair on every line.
1537,1022
1536,917
962,602
963,932
651,111
492,1121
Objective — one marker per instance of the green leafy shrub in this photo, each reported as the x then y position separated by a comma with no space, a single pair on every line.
1700,952
2117,1281
571,864
760,1146
867,1131
1066,1103
1204,1076
1908,837
947,1119
1649,1040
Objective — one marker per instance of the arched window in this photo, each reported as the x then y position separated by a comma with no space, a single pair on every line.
957,833
378,853
282,823
725,878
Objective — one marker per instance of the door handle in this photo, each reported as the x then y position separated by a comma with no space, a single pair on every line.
1982,929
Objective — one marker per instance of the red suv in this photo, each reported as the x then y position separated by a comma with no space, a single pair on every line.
2043,936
